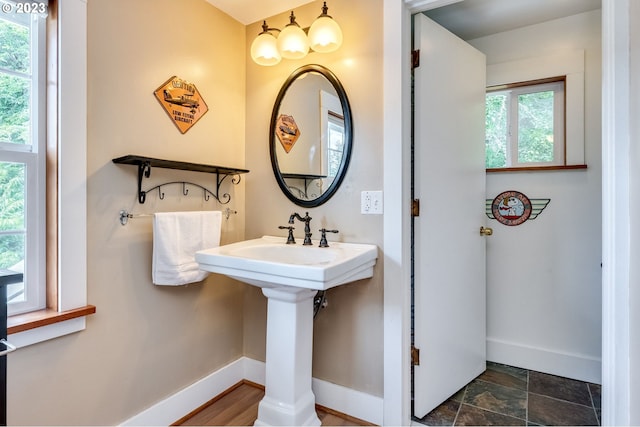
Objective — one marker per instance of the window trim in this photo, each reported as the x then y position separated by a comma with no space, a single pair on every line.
538,168
559,111
32,156
70,224
568,63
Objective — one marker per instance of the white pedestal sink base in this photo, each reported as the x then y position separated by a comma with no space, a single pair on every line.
288,398
289,276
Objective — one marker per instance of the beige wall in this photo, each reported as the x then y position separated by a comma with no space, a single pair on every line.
145,342
348,334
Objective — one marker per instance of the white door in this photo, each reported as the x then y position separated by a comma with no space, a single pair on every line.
449,173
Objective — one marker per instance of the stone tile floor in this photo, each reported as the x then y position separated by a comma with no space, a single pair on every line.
508,396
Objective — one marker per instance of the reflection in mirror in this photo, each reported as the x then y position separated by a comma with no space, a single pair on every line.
310,139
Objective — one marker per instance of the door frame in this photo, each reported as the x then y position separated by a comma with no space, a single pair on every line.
616,189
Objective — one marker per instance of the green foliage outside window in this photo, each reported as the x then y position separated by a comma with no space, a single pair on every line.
14,89
14,128
11,213
496,131
535,128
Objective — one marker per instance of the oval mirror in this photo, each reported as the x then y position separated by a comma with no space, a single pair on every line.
310,136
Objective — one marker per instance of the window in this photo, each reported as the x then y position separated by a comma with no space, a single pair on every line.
335,142
332,134
66,299
525,124
22,151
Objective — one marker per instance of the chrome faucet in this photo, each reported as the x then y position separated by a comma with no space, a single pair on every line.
307,228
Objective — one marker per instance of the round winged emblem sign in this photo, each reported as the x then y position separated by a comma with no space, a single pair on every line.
511,208
514,208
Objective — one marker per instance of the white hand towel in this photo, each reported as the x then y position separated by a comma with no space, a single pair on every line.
177,236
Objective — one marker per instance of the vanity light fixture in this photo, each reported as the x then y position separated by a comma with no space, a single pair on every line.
292,42
325,34
264,49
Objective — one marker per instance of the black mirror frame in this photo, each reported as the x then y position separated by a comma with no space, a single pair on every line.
348,126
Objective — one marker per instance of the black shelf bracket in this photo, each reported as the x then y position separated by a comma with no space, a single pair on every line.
145,164
308,179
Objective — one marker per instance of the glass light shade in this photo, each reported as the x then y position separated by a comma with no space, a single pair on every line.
293,42
264,50
325,35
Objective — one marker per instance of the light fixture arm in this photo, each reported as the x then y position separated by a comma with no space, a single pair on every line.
266,29
292,20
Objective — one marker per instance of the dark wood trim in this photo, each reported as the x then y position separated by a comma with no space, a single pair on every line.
527,83
37,319
515,85
538,168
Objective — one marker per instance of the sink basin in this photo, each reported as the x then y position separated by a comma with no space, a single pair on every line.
290,276
270,262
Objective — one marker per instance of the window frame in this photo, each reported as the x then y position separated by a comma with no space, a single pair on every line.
66,176
33,157
330,113
564,62
512,92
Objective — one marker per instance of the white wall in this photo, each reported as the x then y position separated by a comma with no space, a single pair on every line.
543,277
634,200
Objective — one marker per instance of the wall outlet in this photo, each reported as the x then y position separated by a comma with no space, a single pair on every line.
371,202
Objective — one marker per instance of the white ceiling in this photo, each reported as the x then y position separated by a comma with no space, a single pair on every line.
250,11
468,19
471,19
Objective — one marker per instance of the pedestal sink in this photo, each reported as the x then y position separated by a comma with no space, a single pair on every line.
290,276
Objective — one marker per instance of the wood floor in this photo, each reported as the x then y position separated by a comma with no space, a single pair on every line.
238,406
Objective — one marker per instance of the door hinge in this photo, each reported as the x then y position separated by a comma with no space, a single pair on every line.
415,207
415,58
415,356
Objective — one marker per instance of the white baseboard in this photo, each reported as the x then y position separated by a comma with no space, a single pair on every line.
174,407
171,409
348,401
576,366
254,370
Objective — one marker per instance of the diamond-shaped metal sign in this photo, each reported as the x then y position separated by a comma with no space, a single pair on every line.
182,102
287,131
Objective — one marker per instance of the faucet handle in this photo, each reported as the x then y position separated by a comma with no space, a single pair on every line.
290,239
323,237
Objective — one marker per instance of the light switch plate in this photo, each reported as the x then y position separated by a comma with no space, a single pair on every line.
371,203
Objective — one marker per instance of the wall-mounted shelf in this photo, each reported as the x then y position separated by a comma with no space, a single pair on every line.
146,163
307,178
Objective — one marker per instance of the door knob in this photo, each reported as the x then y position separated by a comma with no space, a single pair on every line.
486,231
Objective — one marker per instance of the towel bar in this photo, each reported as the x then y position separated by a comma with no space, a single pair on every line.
126,216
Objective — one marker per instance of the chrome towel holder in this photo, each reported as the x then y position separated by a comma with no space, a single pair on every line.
125,216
